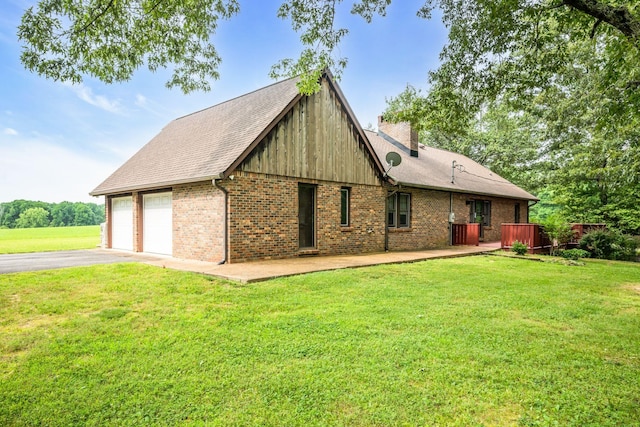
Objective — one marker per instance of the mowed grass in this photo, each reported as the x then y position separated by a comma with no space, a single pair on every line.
463,342
21,240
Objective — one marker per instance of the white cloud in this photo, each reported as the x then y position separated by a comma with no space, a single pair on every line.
41,170
141,100
151,107
86,94
10,131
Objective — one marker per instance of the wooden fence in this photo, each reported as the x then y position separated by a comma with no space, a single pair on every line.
580,230
531,235
466,234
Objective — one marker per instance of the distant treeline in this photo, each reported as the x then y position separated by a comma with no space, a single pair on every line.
30,214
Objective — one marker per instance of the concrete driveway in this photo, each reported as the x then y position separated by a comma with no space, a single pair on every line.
14,263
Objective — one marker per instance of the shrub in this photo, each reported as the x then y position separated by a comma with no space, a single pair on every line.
519,248
559,232
574,254
609,244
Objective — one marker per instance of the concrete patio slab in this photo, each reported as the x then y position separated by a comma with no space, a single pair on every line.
264,270
242,272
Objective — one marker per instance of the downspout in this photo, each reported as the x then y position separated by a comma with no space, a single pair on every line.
535,202
390,179
386,220
449,219
226,220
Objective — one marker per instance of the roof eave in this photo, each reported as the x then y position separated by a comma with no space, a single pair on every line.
154,186
462,191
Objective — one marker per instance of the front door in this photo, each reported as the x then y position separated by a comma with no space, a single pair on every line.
307,216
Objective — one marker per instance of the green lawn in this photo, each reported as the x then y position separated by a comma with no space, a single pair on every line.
469,341
20,240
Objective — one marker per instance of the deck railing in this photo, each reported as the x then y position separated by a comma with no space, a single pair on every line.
466,234
532,235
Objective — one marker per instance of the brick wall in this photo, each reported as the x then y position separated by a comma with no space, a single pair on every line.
198,222
430,213
107,220
365,232
137,222
429,222
502,211
263,218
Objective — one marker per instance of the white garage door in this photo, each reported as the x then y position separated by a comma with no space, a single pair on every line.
122,223
157,234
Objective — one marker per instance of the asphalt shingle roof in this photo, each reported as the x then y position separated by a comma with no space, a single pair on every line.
205,144
202,145
432,169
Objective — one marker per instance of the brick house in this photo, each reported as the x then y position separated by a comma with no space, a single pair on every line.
276,174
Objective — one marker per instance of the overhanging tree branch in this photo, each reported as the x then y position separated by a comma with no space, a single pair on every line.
619,17
595,27
99,15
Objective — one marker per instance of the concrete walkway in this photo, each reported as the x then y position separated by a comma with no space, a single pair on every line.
264,270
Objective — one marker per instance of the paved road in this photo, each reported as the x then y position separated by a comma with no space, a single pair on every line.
13,263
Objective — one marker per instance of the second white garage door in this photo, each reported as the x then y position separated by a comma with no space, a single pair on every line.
157,234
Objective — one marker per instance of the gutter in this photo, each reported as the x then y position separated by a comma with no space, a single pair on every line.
155,186
226,220
463,191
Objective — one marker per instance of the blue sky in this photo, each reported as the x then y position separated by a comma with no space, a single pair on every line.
59,141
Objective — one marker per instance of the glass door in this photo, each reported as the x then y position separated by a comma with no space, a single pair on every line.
306,216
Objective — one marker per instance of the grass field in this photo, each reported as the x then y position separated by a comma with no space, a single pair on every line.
469,341
20,240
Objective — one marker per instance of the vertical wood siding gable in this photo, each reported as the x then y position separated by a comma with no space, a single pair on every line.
315,140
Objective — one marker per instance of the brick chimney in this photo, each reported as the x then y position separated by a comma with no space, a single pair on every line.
401,132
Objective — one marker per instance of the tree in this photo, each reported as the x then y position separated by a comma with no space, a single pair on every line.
493,43
559,232
98,212
513,49
585,133
566,70
83,215
33,218
62,214
593,143
506,141
546,207
12,211
110,39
